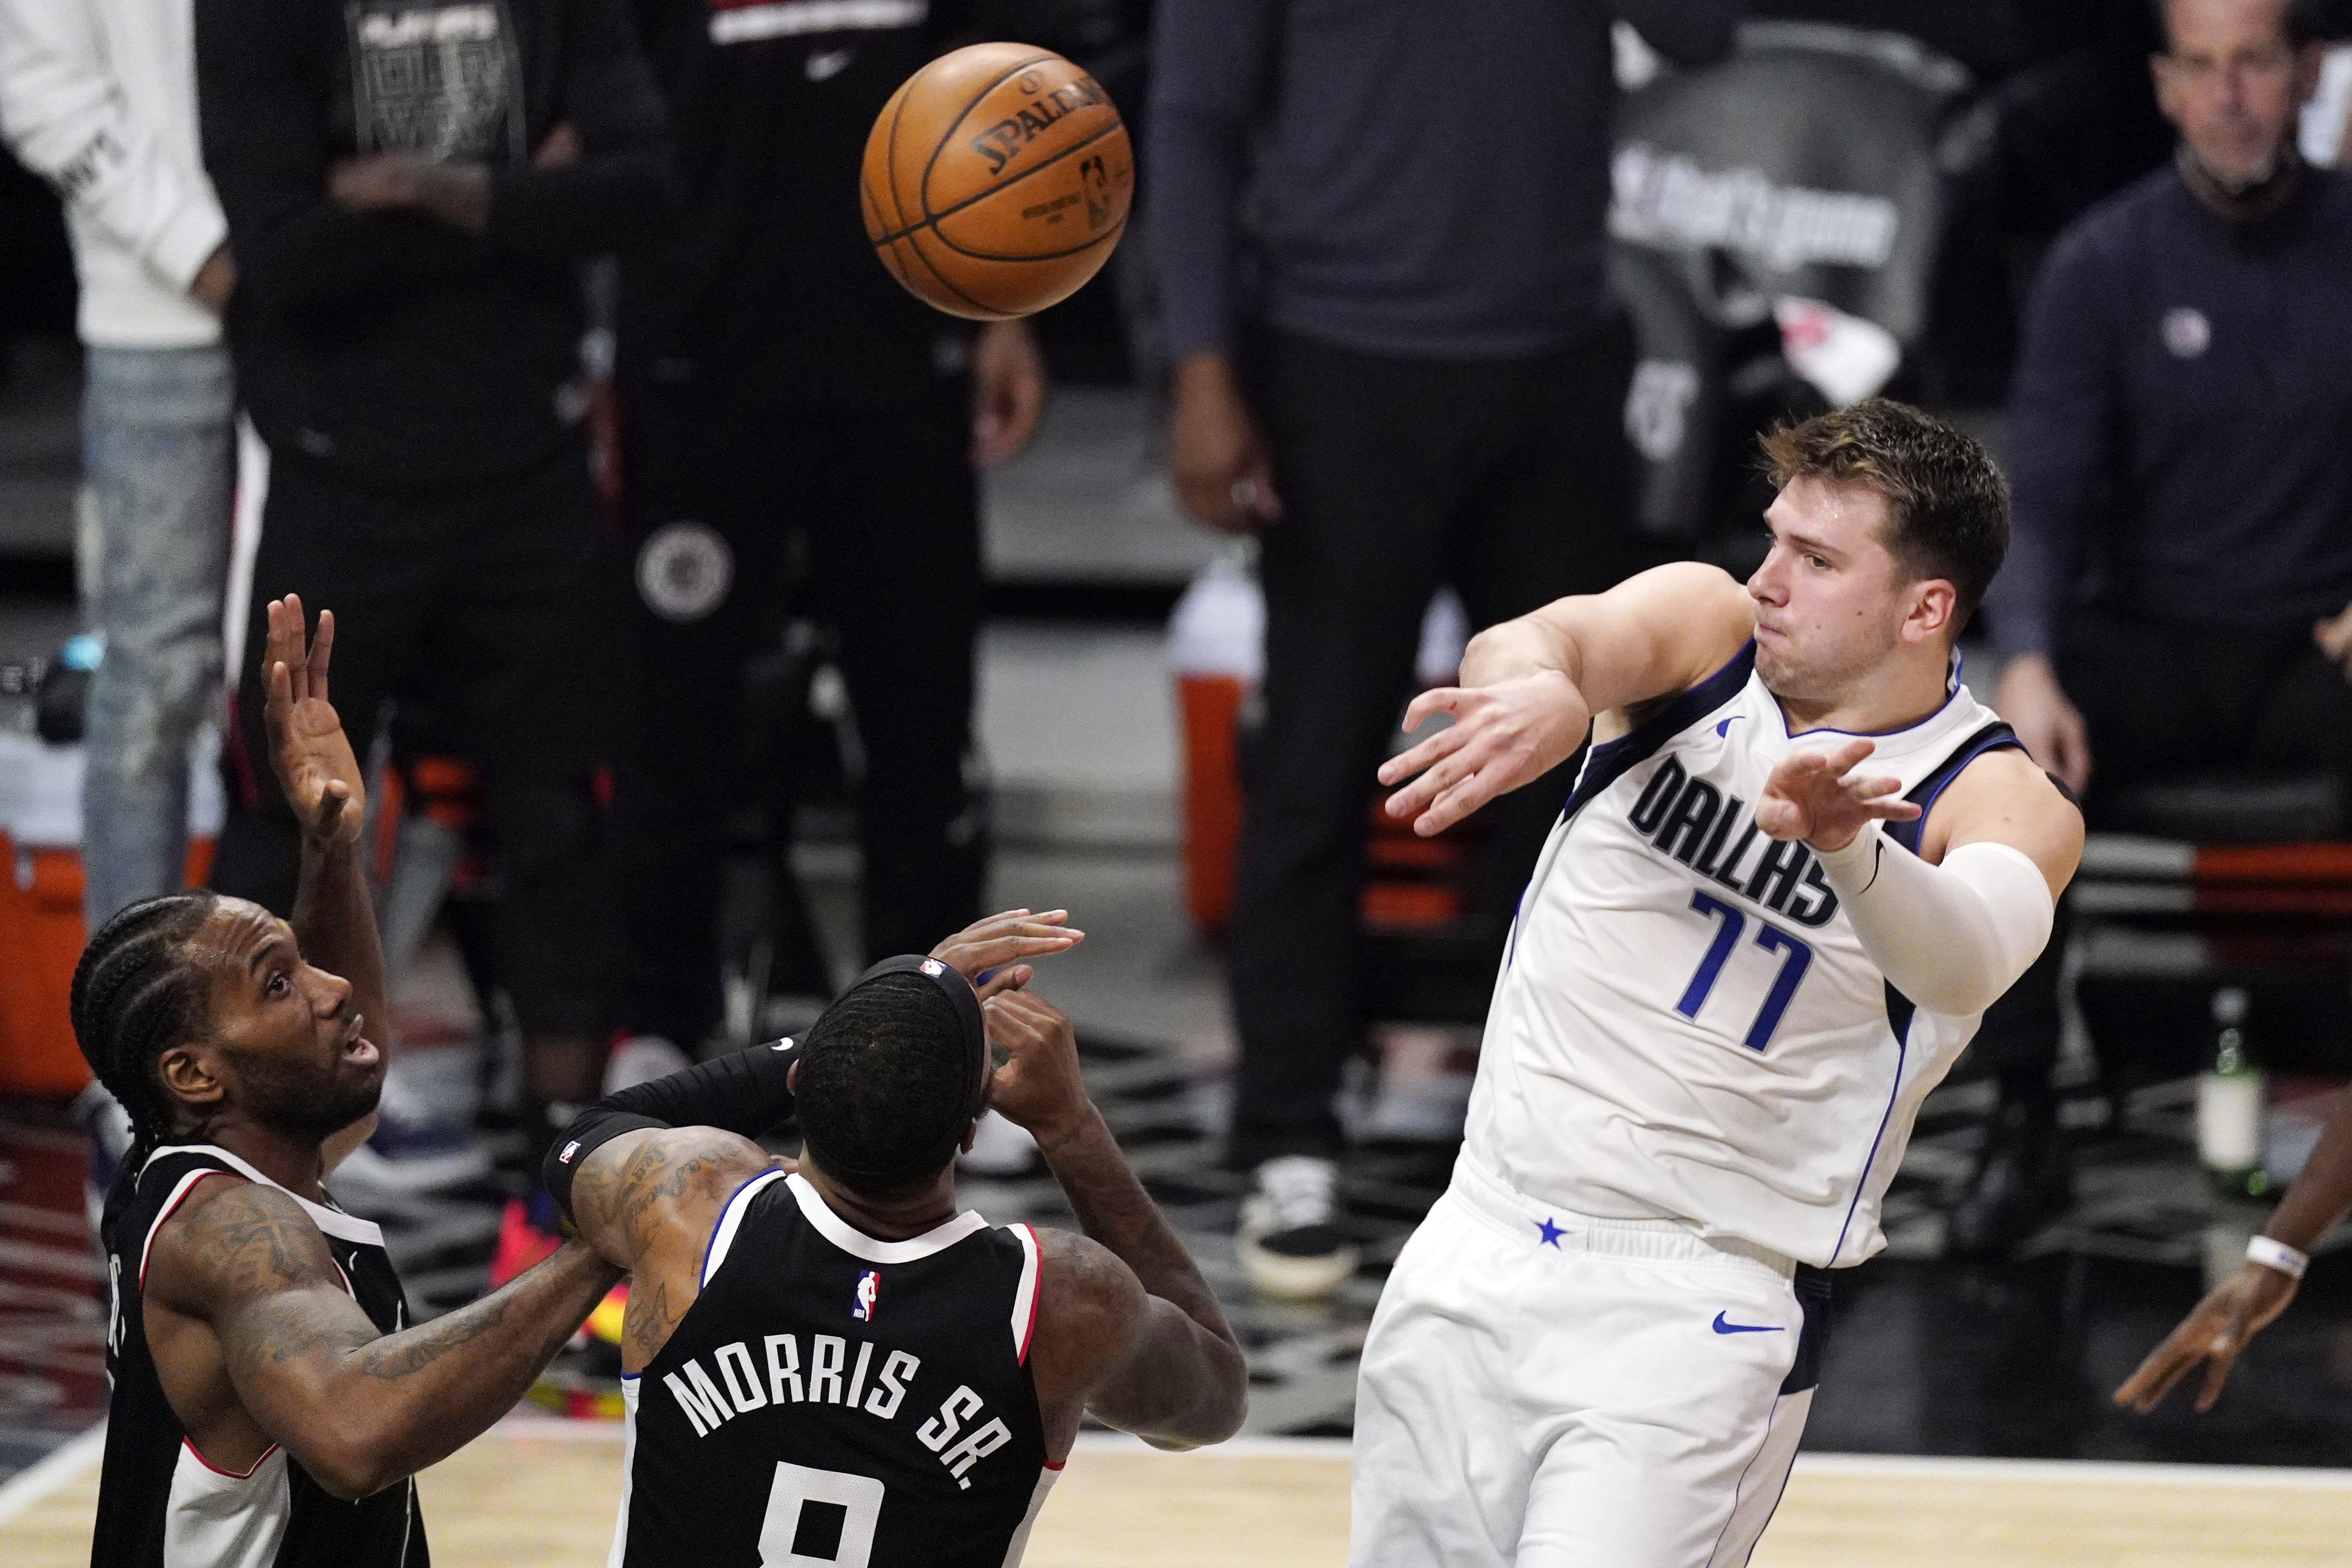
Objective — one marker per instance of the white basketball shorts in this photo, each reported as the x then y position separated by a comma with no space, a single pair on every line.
1552,1391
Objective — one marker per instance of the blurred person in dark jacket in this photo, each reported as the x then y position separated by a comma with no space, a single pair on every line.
409,187
1379,232
2178,596
781,387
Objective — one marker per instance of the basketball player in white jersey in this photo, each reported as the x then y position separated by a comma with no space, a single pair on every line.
1800,862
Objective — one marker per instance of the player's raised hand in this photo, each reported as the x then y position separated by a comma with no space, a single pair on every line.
2214,1331
1039,1087
308,748
995,941
1816,796
1503,736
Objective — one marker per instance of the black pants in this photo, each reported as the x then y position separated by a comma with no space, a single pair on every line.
480,606
1508,480
2163,701
888,505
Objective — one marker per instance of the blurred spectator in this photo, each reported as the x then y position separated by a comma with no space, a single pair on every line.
2179,598
780,388
1379,234
408,189
99,96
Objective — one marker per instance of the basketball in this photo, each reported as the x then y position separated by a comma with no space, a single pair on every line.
996,180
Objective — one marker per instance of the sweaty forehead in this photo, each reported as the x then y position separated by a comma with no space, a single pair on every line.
234,934
1846,515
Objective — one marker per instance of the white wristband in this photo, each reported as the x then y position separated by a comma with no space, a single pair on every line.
2273,1253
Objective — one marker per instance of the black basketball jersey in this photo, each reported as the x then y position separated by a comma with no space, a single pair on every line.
160,1502
833,1401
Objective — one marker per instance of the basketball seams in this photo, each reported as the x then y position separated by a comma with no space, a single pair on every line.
955,123
1109,234
931,219
890,151
994,313
954,279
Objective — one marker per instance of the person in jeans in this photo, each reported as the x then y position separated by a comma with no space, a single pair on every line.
1423,381
411,189
98,97
2179,598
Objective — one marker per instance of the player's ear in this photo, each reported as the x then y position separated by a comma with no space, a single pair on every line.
792,1076
192,1075
1929,615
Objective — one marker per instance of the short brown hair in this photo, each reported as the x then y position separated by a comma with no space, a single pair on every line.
1946,505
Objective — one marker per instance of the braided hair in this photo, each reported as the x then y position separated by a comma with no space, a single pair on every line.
135,994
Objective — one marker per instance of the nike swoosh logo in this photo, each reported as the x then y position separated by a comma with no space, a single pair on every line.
1723,1327
829,64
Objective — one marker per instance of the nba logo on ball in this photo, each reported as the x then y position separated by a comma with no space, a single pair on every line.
869,1286
2187,332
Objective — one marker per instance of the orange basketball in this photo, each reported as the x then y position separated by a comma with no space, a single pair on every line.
996,180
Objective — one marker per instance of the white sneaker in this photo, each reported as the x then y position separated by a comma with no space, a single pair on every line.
641,1058
1290,1242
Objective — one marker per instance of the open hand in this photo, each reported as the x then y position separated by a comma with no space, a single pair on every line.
1039,1087
1503,736
1817,797
995,941
2214,1331
308,748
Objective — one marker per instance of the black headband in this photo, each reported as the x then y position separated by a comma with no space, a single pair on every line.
965,1000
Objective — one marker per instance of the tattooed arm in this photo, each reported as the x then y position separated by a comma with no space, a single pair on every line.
646,1201
258,1340
1128,1330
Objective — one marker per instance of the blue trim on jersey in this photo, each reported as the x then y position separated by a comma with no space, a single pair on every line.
1606,764
1994,736
702,1269
1900,1008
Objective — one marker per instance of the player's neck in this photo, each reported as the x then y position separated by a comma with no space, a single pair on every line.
294,1161
1898,693
886,1219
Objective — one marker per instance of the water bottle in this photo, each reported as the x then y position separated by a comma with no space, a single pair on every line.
2229,1104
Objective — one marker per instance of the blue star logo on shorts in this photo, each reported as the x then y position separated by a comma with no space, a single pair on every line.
1549,1233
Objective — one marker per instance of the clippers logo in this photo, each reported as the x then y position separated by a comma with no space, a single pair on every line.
870,1287
933,967
569,1149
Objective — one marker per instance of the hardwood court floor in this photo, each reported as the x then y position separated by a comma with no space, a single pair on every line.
519,1499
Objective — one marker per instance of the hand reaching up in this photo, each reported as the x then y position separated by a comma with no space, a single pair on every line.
995,941
308,748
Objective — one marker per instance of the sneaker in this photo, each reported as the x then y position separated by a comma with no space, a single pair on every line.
1290,1242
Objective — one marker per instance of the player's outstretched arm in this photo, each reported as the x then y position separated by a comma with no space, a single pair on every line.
1127,1328
1953,927
357,1408
2224,1322
1531,687
334,920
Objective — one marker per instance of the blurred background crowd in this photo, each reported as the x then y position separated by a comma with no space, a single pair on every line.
723,619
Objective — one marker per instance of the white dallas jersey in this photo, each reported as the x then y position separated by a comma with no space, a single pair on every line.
1686,1024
